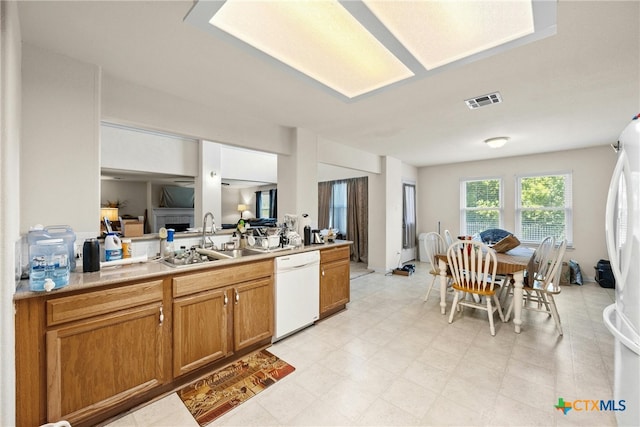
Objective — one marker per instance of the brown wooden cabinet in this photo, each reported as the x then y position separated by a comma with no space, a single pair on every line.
103,348
252,312
212,324
199,330
334,280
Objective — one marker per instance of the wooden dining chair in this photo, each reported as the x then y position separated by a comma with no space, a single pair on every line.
543,283
473,267
539,258
448,238
434,244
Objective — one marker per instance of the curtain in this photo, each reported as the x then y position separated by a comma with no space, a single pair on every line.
258,204
408,216
324,203
357,217
273,203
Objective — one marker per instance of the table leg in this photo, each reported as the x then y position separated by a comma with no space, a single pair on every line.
518,278
442,266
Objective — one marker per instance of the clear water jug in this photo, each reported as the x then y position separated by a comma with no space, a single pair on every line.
63,232
49,259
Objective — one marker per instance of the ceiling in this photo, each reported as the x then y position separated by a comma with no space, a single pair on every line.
575,89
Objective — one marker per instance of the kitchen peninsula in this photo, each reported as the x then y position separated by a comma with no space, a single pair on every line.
114,339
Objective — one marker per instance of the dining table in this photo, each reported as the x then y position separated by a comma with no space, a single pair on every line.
512,264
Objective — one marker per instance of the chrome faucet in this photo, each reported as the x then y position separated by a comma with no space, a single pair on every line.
204,229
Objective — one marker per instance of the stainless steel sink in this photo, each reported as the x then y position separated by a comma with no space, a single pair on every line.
186,262
228,254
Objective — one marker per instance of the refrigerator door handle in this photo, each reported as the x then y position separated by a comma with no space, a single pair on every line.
620,171
629,343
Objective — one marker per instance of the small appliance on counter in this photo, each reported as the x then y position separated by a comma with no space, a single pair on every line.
316,237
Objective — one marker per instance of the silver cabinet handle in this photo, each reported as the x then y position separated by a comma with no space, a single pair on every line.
237,297
323,272
226,300
161,315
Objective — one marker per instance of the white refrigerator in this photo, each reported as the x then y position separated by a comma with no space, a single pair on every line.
622,225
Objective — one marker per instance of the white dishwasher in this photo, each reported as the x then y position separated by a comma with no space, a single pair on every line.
297,292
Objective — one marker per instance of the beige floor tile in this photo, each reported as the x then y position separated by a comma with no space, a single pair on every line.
383,413
409,396
393,359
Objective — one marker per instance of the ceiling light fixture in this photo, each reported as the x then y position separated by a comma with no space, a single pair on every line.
358,47
496,142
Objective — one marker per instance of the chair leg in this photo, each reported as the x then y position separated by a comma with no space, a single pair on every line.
433,281
490,313
508,315
456,296
543,297
499,308
554,313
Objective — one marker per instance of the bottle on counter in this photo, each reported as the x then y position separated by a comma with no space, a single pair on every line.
49,263
126,248
169,249
90,256
112,247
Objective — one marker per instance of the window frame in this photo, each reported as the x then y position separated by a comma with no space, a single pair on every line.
567,208
463,201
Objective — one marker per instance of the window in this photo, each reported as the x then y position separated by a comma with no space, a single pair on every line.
544,207
338,206
264,204
408,216
480,205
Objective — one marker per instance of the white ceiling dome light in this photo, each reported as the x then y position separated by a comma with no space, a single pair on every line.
497,142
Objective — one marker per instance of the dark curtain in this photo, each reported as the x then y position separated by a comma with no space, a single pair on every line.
258,204
357,217
324,203
273,203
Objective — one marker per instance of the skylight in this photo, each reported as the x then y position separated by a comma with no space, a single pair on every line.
356,48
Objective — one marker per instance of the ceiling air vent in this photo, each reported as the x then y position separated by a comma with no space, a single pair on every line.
481,101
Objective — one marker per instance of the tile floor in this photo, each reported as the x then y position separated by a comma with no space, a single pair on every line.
392,359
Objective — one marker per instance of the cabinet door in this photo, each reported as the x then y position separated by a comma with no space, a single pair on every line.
200,330
103,361
334,285
252,312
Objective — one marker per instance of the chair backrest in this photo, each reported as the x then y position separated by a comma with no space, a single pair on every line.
434,244
448,238
539,263
552,280
473,265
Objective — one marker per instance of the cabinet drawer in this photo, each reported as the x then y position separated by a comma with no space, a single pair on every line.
66,309
225,276
334,254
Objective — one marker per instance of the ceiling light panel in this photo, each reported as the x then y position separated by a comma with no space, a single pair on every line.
439,32
318,38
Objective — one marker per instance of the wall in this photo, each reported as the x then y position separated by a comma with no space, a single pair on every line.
138,106
439,194
133,193
140,151
60,156
10,116
248,165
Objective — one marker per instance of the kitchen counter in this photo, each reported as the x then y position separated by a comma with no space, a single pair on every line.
153,268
